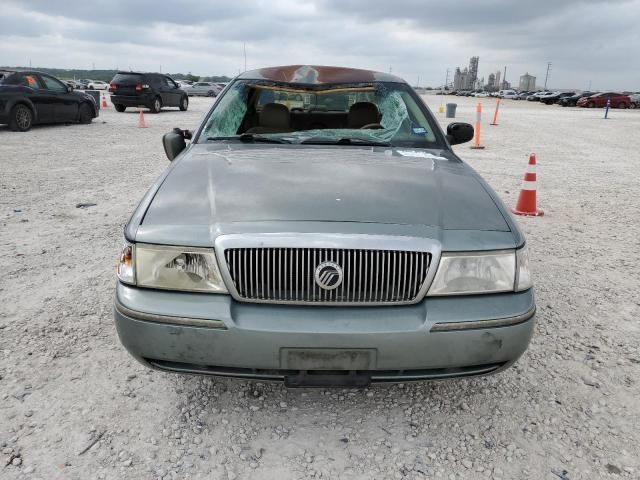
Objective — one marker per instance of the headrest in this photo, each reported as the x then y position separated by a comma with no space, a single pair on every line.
275,115
361,114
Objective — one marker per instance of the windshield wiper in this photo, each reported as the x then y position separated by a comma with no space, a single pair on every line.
250,137
345,141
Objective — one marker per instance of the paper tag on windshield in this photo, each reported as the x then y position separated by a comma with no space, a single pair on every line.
420,154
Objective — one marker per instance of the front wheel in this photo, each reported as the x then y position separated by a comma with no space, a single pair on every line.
591,105
21,118
85,115
211,93
156,105
184,104
119,107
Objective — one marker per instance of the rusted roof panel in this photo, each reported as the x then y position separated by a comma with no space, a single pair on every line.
317,75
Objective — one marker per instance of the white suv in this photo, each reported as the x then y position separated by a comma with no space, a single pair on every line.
507,94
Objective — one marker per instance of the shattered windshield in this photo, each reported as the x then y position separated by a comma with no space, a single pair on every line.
377,113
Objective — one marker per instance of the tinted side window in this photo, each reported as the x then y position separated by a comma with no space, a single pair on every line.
28,81
170,83
52,84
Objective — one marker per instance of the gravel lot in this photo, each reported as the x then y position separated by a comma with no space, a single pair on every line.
75,405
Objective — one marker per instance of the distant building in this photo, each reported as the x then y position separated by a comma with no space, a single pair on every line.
473,71
461,79
505,85
468,78
494,81
527,82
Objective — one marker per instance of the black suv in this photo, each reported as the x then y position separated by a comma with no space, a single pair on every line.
151,90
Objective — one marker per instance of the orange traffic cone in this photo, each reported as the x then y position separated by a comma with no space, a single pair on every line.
104,101
476,145
527,200
141,123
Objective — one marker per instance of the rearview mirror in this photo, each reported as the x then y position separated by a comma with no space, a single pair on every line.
174,142
459,132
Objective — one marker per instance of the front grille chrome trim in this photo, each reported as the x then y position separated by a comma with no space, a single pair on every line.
301,252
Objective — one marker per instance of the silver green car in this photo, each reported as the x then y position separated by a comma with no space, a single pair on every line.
317,228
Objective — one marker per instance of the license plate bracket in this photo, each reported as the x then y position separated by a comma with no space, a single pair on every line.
328,359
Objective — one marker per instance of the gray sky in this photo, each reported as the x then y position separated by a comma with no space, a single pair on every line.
597,41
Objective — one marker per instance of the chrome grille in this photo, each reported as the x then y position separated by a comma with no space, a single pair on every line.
286,275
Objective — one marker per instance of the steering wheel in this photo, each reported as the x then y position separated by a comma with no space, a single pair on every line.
373,126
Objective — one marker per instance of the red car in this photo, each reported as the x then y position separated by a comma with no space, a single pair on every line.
618,100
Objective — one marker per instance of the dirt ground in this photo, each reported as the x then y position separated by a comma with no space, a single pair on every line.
75,405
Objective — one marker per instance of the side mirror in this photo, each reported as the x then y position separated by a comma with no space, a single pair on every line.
459,132
69,88
174,142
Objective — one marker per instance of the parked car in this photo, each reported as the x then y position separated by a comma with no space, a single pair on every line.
507,94
28,98
184,83
395,262
206,89
481,94
555,97
84,83
635,100
151,90
617,100
74,84
523,95
570,101
97,85
535,97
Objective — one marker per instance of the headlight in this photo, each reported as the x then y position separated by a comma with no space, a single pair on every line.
476,272
174,268
178,268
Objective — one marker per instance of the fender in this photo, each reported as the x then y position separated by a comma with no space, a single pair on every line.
12,102
91,103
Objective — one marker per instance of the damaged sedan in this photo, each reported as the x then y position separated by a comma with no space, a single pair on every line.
318,229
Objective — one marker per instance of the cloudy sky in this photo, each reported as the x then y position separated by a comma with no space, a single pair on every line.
587,41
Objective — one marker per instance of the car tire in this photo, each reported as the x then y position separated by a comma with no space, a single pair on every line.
20,118
85,114
591,105
184,103
156,106
210,93
119,108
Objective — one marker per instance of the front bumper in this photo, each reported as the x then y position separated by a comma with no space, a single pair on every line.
214,334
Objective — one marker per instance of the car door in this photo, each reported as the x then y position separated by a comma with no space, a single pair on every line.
170,92
62,104
202,88
163,89
36,93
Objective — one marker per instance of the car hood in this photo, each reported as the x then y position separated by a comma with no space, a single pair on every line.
214,184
